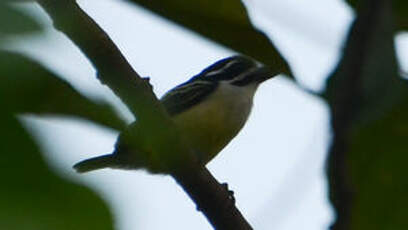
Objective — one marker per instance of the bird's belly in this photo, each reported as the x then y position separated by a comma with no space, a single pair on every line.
212,125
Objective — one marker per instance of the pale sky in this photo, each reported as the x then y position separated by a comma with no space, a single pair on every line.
274,166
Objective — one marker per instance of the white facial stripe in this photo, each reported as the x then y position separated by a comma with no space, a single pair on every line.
222,69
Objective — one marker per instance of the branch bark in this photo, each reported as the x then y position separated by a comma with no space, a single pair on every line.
115,72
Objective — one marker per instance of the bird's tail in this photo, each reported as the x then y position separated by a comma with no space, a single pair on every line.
100,162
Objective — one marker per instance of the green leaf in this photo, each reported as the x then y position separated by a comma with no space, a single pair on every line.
16,22
30,88
369,108
368,71
400,12
378,165
225,22
33,197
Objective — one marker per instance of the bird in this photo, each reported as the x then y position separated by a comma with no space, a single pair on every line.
209,109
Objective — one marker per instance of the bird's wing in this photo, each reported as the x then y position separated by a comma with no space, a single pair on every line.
186,95
200,86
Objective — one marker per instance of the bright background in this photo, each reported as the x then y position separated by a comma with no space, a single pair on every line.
275,165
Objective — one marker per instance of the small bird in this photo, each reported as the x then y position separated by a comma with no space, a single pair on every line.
209,109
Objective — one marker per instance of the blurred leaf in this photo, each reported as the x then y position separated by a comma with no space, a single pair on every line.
18,1
225,22
369,108
400,12
368,74
15,22
30,88
378,165
33,197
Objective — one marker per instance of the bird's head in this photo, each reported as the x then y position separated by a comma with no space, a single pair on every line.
236,70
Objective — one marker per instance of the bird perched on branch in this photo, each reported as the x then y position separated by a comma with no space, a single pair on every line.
209,109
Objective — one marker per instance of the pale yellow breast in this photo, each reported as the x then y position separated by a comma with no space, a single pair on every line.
212,124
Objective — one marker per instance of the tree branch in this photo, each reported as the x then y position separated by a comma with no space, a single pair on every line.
115,72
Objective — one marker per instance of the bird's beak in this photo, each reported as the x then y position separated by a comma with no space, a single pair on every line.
262,73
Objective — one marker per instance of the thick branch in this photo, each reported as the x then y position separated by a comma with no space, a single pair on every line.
114,71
